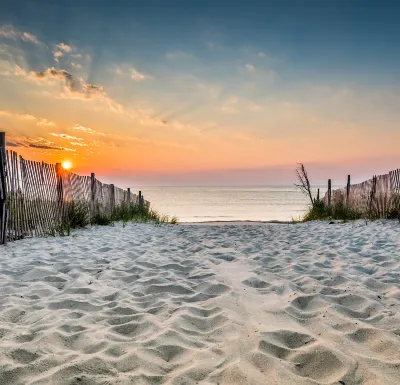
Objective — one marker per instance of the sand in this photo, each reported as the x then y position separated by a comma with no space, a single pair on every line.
313,303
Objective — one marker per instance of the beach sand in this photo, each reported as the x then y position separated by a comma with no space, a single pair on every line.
239,303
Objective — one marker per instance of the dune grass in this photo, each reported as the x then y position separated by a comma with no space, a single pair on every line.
339,211
77,216
319,211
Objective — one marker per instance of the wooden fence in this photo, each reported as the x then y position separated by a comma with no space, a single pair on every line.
35,197
378,197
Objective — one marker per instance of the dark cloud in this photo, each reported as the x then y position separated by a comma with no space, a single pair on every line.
39,143
72,83
12,144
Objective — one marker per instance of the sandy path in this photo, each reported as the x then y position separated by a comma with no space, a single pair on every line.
217,304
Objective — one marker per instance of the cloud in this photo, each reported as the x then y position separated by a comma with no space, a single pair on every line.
86,129
64,47
45,123
40,143
65,136
39,121
250,68
76,88
26,36
229,105
57,55
73,85
9,32
132,72
18,116
79,144
76,65
138,76
243,136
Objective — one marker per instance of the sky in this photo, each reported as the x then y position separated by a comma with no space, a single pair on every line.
187,92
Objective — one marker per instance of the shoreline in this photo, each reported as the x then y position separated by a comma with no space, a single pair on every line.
236,222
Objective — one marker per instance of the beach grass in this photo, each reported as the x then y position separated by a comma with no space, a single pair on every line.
340,211
77,216
320,211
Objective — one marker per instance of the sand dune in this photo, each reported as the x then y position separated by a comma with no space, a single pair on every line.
220,304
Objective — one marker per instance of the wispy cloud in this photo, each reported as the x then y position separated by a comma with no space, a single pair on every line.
10,114
9,32
26,36
57,55
64,47
138,76
45,123
229,105
80,144
133,73
65,136
86,129
39,142
39,121
250,68
61,50
76,65
73,84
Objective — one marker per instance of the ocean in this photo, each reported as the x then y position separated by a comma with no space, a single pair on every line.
200,204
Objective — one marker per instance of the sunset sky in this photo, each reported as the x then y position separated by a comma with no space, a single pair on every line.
165,92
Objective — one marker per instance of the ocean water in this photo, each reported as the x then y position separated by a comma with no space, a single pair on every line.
200,204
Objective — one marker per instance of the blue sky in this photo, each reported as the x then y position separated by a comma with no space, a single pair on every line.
235,84
337,35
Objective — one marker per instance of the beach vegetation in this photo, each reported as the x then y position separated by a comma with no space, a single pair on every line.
320,211
339,210
77,216
304,184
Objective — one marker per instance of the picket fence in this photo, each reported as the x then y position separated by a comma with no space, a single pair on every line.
378,197
35,196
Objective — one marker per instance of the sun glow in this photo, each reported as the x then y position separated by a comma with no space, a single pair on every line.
67,165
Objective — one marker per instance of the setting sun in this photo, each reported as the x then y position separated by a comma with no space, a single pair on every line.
67,165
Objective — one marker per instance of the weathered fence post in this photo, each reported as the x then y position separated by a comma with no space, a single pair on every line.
60,193
318,195
140,198
93,186
93,195
348,189
129,196
372,195
112,199
3,191
329,193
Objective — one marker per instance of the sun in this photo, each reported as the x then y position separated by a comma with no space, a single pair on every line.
67,164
